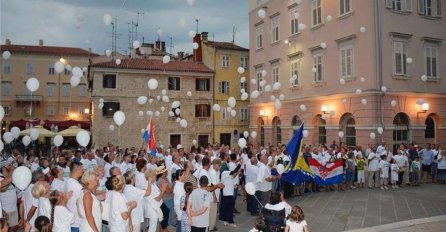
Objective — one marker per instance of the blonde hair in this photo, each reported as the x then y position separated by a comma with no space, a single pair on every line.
129,175
118,183
38,189
88,176
149,173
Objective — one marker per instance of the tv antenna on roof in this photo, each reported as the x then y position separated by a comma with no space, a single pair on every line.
197,20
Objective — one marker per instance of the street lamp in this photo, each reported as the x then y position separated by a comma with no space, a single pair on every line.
424,109
324,109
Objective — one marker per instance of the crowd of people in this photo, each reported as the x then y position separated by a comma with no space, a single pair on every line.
114,189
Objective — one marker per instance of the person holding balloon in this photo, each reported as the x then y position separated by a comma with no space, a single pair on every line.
8,196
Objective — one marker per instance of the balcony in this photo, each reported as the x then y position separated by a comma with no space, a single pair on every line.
28,98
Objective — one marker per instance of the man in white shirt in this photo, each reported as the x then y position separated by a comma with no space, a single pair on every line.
126,165
8,196
175,166
73,185
251,177
373,176
199,204
89,162
264,178
214,173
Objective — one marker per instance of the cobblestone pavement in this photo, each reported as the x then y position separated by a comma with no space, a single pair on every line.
361,208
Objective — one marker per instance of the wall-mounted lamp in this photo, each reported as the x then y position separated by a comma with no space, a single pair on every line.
324,109
262,113
86,111
424,109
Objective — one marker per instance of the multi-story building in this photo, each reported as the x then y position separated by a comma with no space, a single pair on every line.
120,86
55,101
224,58
357,66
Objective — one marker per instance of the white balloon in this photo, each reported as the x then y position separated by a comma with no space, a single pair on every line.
163,108
233,113
74,81
282,97
332,113
166,59
140,113
372,135
244,96
264,73
108,52
342,81
171,114
362,79
152,84
195,46
111,127
190,2
344,101
107,19
21,177
393,103
68,67
26,140
362,29
136,44
424,78
324,117
15,132
240,70
364,101
141,100
329,18
242,142
262,83
267,88
253,81
151,100
301,27
149,113
34,133
409,60
58,140
158,97
246,134
177,111
157,113
176,104
278,104
101,105
277,86
358,91
1,145
253,134
6,55
313,70
228,109
189,93
242,79
380,130
119,117
305,133
216,107
77,72
7,137
341,134
165,99
83,138
101,100
182,23
280,169
183,123
59,67
261,13
296,15
255,94
231,102
118,61
32,84
303,107
159,32
192,33
384,89
84,69
323,45
250,188
272,97
178,120
143,131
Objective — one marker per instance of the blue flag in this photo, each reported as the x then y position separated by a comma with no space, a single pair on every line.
297,171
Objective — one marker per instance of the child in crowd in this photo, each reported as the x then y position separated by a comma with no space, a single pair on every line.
61,217
360,166
296,221
395,171
259,225
415,171
384,171
350,171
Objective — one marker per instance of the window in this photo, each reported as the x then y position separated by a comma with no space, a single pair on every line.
275,25
296,122
429,133
224,114
67,72
203,140
29,69
431,8
174,83
316,7
202,84
7,110
51,70
244,62
322,131
66,110
275,72
223,87
175,139
82,110
318,64
277,131
51,89
259,37
82,89
50,111
346,61
294,21
110,108
401,132
175,113
202,110
244,86
28,111
109,81
6,88
243,114
344,7
6,68
348,127
431,61
66,90
399,57
225,61
396,4
259,79
295,70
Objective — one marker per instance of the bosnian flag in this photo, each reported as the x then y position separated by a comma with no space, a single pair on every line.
331,173
149,138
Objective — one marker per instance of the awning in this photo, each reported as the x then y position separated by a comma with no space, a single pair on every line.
42,132
71,132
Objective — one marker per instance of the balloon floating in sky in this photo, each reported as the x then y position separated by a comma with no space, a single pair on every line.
107,19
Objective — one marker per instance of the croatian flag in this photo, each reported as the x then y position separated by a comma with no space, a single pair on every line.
149,138
331,173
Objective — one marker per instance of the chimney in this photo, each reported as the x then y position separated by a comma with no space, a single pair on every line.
204,36
40,42
180,56
8,41
158,44
163,46
197,52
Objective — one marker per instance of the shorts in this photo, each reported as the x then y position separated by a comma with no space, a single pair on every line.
426,167
361,177
13,219
349,176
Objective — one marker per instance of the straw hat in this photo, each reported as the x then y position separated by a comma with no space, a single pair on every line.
161,169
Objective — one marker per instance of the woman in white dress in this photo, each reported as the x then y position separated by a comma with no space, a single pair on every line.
155,199
41,191
120,208
61,217
90,206
132,193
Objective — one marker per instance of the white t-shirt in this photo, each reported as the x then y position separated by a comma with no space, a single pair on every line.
296,226
228,182
401,160
168,162
178,192
373,164
89,164
9,199
279,206
107,168
251,172
200,198
73,185
29,201
384,166
140,181
174,167
58,185
132,193
264,172
63,218
151,166
44,208
124,167
118,205
154,194
215,179
202,172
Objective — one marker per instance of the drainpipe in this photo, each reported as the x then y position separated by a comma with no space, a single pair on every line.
379,63
213,97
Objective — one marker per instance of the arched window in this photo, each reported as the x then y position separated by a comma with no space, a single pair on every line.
321,132
260,127
295,123
429,133
277,131
348,126
401,133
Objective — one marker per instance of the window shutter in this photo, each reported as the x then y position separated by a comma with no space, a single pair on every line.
208,110
394,57
197,113
104,81
438,8
420,7
408,5
208,85
197,84
389,4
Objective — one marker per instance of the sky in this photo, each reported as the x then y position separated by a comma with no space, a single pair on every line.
57,22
